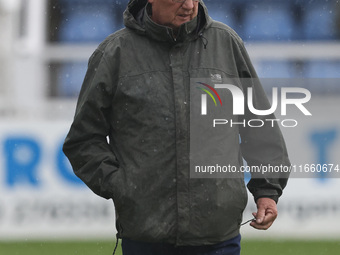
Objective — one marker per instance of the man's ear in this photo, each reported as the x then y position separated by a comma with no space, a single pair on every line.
151,1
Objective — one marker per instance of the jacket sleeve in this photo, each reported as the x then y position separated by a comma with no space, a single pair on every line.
86,144
261,146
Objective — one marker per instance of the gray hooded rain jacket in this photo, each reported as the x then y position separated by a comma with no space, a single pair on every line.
129,140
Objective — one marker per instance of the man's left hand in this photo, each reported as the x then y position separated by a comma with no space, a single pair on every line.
266,213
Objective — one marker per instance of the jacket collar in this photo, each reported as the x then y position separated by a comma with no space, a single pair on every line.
137,17
164,33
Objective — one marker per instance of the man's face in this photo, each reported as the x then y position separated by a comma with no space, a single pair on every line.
172,14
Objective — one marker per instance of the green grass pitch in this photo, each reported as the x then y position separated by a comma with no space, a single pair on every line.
249,247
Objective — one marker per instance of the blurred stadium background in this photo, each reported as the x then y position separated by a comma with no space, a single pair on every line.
44,48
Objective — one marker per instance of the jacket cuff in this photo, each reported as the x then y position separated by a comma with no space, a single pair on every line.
268,193
275,198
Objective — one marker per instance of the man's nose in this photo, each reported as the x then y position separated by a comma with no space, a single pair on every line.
188,4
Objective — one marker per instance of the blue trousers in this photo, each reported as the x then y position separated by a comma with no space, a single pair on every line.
229,247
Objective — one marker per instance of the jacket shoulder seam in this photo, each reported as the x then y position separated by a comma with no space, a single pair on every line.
225,28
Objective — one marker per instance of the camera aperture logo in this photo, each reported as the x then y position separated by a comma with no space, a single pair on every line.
240,101
204,97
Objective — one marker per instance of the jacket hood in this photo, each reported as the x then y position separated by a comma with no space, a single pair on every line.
136,18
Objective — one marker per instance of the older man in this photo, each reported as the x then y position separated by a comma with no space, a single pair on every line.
130,137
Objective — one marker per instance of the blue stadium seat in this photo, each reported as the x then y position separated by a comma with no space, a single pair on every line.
87,21
86,27
319,20
269,21
324,76
222,11
323,69
275,69
70,78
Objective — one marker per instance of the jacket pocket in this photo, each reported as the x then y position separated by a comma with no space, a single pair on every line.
117,187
